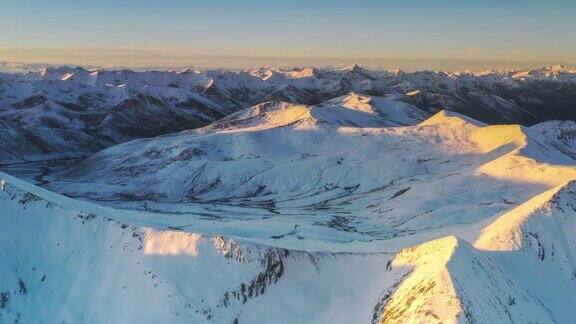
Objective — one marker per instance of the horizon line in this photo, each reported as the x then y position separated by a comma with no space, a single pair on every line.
341,62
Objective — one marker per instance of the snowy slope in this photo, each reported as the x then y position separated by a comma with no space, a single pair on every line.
64,264
451,281
68,260
537,239
297,165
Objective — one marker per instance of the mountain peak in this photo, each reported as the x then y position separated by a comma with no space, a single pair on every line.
450,117
354,68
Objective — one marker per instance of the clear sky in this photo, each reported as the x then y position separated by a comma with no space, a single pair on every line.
154,32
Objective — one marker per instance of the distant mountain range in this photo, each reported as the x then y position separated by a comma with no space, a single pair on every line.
73,112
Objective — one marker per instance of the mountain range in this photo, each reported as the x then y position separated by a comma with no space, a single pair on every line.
288,195
73,112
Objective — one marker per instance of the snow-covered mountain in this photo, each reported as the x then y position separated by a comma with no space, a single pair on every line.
333,166
68,261
354,198
303,213
102,108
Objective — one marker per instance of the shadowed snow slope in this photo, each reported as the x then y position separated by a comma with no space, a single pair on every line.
536,240
64,264
20,144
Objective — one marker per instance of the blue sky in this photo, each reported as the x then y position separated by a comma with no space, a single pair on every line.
499,30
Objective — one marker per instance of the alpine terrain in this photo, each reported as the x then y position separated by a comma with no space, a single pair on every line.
302,195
